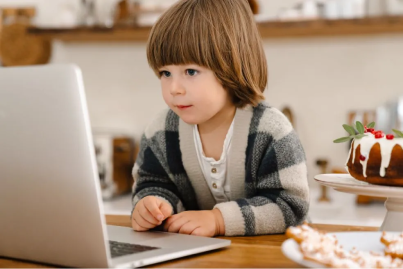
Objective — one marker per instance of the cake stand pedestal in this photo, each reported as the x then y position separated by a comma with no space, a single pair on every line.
394,204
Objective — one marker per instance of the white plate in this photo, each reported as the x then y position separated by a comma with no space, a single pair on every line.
346,183
364,241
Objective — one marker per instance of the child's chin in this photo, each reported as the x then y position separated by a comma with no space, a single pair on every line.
189,120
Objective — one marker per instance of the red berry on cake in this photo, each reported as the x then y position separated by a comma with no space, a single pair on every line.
390,137
379,135
362,158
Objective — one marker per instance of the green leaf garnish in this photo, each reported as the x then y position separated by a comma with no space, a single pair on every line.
361,132
359,136
349,129
360,127
341,140
398,133
371,125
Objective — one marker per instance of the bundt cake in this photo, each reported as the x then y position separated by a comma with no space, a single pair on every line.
374,157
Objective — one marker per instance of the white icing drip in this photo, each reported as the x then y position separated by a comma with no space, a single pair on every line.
349,154
355,149
367,142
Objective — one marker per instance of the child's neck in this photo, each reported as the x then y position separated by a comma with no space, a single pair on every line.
221,121
214,131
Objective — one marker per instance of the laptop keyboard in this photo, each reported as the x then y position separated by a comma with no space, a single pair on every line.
120,249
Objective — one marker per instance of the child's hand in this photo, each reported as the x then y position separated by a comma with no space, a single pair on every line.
207,223
149,213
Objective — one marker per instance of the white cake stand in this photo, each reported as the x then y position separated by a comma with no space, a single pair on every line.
394,204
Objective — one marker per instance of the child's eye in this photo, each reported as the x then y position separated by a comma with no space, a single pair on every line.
191,72
165,74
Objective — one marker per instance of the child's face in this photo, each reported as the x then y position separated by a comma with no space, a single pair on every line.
193,92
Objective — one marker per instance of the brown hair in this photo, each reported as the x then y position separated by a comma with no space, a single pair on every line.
217,34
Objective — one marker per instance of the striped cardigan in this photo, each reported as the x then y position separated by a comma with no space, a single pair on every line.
268,173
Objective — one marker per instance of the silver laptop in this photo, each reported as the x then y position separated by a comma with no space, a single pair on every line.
50,198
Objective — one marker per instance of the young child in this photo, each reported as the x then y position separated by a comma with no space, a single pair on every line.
219,161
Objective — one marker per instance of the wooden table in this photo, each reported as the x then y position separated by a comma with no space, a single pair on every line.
249,251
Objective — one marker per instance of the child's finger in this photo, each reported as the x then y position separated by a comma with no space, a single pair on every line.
136,226
199,232
143,211
142,222
171,220
188,228
152,206
166,209
176,225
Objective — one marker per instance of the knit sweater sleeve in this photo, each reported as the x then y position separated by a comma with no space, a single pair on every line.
151,172
276,183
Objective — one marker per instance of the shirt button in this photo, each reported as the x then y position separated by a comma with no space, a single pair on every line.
214,170
214,186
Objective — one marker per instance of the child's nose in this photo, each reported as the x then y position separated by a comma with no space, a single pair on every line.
177,87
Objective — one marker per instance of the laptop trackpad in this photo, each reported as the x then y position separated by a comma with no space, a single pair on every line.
119,249
127,235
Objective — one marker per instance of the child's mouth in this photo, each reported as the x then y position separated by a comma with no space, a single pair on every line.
183,107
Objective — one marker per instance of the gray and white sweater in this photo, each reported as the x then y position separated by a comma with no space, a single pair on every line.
268,173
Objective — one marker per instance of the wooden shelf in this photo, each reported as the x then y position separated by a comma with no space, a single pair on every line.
84,34
381,25
366,26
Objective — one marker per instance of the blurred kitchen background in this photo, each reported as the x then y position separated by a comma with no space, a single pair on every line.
330,62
